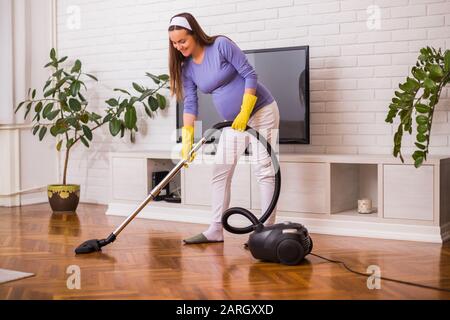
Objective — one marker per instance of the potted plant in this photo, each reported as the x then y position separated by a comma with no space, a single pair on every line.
63,112
419,94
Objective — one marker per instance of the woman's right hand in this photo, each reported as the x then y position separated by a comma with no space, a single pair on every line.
187,140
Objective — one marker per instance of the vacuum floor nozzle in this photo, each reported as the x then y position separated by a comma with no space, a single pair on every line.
94,245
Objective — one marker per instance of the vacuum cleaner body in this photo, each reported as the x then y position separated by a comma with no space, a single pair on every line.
287,243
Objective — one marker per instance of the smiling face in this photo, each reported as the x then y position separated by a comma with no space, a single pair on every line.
183,41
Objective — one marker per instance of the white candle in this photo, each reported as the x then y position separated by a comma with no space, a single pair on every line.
365,206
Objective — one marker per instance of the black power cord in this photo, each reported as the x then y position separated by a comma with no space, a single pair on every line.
383,278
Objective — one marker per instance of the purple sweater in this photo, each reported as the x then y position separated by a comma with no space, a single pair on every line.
225,73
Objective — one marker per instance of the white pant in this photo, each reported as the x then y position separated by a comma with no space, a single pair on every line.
231,145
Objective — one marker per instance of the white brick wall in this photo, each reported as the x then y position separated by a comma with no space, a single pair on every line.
354,70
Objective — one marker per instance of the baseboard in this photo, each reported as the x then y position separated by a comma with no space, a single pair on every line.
33,198
351,228
445,232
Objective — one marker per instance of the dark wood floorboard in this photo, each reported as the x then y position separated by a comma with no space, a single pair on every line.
149,261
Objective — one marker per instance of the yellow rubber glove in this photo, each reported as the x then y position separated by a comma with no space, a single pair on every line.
241,120
187,139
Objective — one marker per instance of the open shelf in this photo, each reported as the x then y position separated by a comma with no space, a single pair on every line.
351,182
163,166
354,213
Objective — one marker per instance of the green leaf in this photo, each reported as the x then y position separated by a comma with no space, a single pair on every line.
422,128
46,85
422,119
148,111
421,137
419,74
123,105
35,129
420,146
75,88
33,94
84,118
164,77
114,126
85,142
19,106
123,91
76,67
70,143
28,110
38,107
422,108
112,102
57,73
53,54
52,115
87,132
94,116
49,92
153,77
62,59
73,122
91,76
153,103
447,60
398,136
161,101
138,88
54,130
58,146
436,72
107,118
429,84
64,106
74,104
130,117
410,85
83,100
417,154
133,100
418,162
82,83
42,132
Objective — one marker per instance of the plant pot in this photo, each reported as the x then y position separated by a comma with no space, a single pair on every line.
63,198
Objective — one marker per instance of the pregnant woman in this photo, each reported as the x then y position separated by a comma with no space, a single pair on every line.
216,65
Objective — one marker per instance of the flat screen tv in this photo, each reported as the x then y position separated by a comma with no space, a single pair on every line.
285,72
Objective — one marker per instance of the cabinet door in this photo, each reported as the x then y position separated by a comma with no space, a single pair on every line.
197,185
129,179
304,188
408,192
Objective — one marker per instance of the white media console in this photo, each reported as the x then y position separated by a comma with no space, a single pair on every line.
319,191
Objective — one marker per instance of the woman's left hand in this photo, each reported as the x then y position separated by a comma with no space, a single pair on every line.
241,120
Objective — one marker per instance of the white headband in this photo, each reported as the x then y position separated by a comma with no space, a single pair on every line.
180,21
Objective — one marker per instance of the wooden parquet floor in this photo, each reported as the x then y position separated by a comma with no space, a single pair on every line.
149,261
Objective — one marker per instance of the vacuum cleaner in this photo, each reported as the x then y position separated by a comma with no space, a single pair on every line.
287,243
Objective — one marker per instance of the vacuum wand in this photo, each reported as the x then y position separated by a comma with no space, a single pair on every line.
96,245
156,190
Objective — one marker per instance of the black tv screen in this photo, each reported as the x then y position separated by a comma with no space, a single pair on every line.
285,72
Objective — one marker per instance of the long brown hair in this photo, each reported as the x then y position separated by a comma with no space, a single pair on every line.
176,58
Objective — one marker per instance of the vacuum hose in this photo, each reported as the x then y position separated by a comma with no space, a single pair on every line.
256,223
94,245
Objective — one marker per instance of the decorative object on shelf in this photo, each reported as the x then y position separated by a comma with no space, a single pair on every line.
62,111
419,94
364,206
